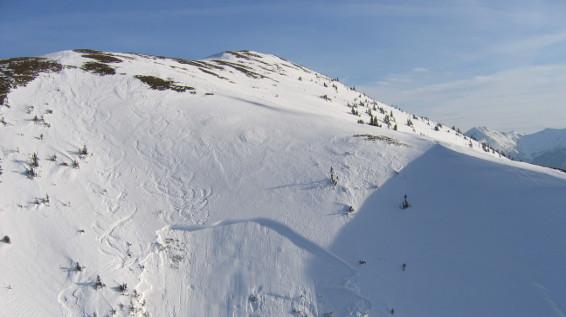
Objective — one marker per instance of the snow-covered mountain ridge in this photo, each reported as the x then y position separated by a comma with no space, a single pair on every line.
203,188
546,147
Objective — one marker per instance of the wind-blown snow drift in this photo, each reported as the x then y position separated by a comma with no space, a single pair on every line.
205,189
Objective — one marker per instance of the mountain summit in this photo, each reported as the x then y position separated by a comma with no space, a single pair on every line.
247,185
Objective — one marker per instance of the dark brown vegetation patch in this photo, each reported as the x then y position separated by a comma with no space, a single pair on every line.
162,84
382,138
86,51
241,68
16,72
103,57
98,68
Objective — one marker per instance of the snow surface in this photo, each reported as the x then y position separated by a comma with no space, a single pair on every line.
219,203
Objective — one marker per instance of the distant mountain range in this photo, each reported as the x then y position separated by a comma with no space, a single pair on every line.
546,147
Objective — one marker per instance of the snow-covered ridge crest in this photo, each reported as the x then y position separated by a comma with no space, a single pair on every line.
270,77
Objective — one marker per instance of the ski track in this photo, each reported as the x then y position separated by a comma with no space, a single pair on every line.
109,241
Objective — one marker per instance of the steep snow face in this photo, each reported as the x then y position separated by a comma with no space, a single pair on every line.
204,189
490,252
546,147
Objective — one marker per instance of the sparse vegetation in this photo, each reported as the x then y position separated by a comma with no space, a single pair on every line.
103,57
325,97
241,68
34,162
162,84
333,177
98,283
75,164
22,70
98,68
86,51
83,152
31,173
382,138
78,267
405,204
122,288
6,240
373,121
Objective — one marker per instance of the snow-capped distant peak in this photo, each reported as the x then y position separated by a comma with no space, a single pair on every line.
502,141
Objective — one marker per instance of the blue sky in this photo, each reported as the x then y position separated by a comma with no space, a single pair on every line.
470,62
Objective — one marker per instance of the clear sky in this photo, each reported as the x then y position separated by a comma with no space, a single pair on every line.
471,62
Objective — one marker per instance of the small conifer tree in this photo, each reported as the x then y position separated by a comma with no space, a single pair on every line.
34,160
405,204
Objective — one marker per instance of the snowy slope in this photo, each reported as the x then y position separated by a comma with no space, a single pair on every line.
546,147
216,200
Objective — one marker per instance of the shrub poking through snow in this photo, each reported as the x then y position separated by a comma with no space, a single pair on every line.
373,121
78,267
325,97
333,177
162,84
98,283
75,164
122,288
18,72
34,162
405,204
31,173
6,240
102,57
83,152
253,298
98,68
42,200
